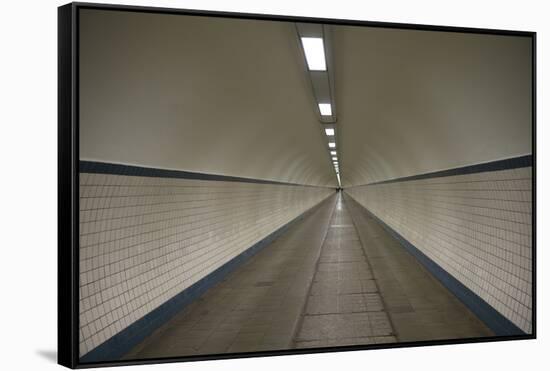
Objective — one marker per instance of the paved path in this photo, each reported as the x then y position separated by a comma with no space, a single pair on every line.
344,306
336,277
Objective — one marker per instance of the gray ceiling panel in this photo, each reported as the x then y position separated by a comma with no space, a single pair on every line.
321,87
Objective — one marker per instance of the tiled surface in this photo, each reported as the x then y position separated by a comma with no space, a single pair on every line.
318,286
144,239
477,227
257,307
420,308
344,306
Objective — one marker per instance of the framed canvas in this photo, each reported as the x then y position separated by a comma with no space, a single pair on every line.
240,185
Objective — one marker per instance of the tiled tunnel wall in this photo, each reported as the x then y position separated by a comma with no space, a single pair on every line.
145,239
477,227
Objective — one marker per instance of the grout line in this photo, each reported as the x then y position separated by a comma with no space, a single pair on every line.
356,312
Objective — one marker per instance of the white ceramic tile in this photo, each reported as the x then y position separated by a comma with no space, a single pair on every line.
144,240
476,226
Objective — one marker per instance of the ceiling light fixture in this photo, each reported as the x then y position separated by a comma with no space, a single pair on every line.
325,109
329,132
314,50
332,144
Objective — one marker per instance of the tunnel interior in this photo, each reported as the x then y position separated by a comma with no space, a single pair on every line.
223,209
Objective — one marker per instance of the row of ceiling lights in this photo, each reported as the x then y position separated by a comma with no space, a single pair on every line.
315,54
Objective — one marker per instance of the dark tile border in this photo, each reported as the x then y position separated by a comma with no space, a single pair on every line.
499,324
94,167
121,343
506,164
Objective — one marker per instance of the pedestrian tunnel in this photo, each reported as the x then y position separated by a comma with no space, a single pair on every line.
253,186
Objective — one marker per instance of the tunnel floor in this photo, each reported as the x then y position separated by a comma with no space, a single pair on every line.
334,278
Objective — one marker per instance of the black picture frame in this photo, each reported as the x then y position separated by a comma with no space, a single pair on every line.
68,180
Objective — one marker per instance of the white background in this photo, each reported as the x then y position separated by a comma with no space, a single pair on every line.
28,149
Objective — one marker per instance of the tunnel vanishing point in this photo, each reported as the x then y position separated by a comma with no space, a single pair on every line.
250,185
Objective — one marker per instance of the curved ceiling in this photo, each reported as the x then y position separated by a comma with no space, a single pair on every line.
412,102
232,97
210,95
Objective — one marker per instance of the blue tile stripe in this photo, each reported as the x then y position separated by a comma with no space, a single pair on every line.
499,324
121,343
506,164
94,167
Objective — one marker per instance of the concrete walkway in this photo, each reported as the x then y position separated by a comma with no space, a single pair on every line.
336,277
344,306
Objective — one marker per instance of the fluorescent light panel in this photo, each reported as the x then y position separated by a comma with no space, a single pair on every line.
325,109
329,131
335,158
332,144
315,53
333,153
